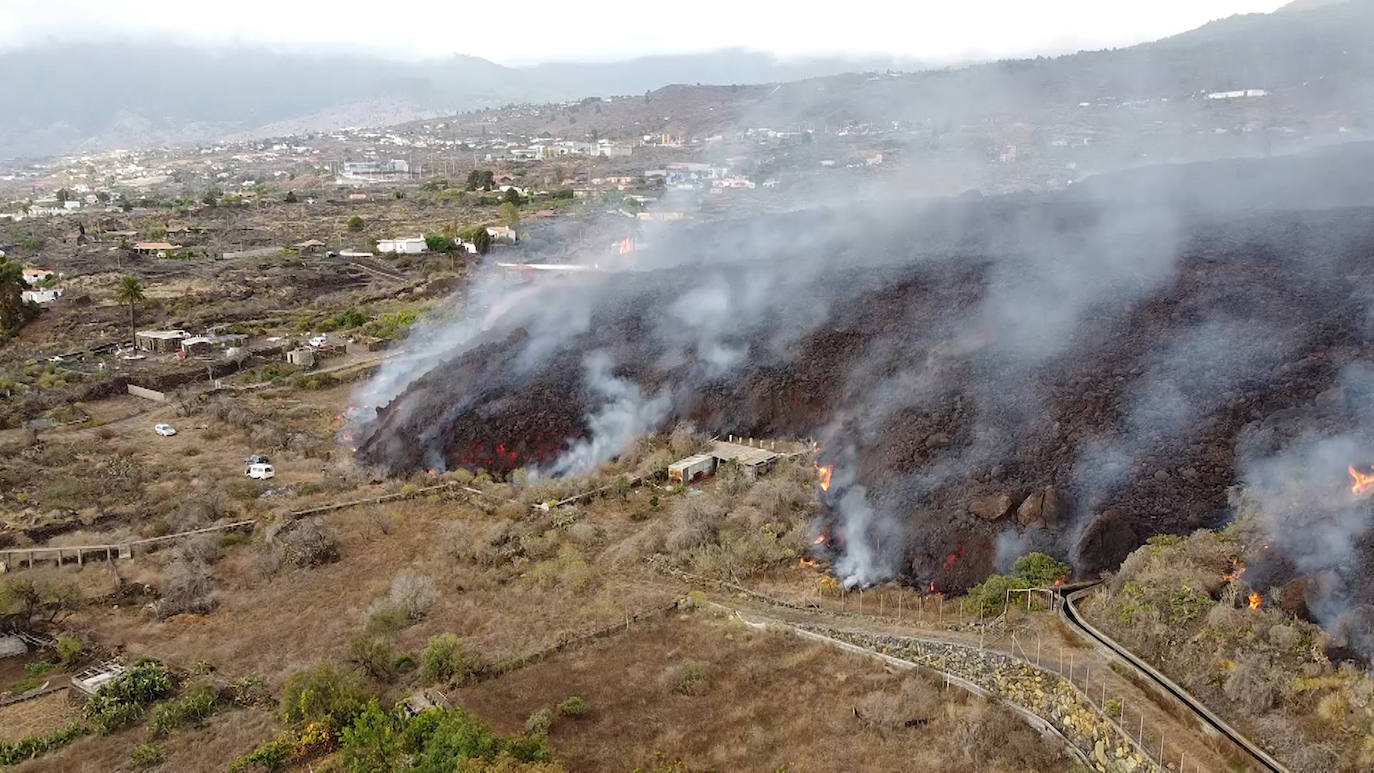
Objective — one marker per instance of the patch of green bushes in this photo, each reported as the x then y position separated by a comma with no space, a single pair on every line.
15,752
122,700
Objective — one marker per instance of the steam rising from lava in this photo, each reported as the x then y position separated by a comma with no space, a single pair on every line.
916,336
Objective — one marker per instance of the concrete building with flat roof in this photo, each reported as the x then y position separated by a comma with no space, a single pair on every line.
160,340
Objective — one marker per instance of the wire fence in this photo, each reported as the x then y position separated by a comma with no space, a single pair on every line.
1105,695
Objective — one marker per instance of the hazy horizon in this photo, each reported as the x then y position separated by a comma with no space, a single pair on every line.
542,32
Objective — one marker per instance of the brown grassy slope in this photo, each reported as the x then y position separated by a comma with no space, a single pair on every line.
206,749
771,702
1261,669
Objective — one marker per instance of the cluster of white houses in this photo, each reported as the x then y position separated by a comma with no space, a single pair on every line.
34,277
185,344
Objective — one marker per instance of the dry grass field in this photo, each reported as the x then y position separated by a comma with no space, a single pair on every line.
767,701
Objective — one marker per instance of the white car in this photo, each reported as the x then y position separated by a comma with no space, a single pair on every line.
165,430
318,341
261,471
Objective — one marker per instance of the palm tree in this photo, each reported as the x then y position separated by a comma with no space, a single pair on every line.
129,291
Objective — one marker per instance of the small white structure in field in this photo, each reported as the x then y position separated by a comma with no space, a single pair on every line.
685,471
91,680
41,296
303,357
413,245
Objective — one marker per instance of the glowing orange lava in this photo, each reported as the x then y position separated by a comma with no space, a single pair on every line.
823,475
1364,482
819,540
807,562
1255,600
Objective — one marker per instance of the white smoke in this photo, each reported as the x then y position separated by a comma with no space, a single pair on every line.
625,415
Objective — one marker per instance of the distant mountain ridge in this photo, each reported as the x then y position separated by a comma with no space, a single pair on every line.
91,97
72,98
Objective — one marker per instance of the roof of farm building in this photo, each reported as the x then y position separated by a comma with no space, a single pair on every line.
745,455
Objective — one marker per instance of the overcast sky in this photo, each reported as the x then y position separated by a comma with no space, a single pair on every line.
527,31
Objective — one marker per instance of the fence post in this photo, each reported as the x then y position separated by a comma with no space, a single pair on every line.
1037,650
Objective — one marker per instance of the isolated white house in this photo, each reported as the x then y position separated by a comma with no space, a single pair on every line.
412,245
41,296
501,233
33,276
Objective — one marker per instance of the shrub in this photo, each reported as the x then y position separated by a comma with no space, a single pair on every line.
146,755
374,656
447,659
1040,569
122,700
989,596
186,587
355,223
443,738
270,756
305,542
192,708
690,679
1249,686
1114,708
538,723
573,706
384,617
15,752
323,695
413,594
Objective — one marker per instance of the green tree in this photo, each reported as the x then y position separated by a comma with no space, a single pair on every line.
355,223
438,243
478,236
130,291
512,196
290,197
1040,569
481,178
989,596
511,214
63,195
322,694
14,311
372,742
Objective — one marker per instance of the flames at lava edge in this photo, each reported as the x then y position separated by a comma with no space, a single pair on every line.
823,475
1255,600
1363,482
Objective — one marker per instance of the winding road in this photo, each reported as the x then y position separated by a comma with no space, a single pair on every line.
1070,614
